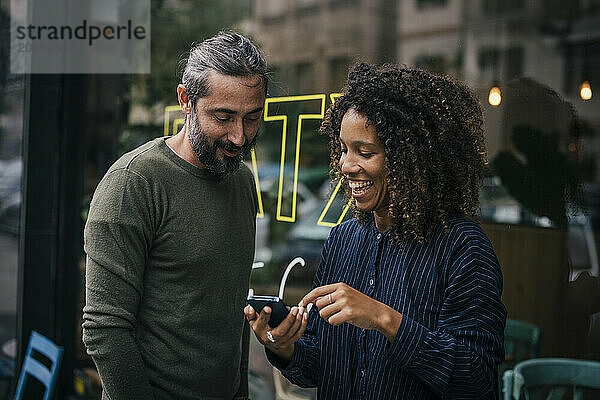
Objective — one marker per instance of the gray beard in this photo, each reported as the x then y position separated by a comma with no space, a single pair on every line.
207,154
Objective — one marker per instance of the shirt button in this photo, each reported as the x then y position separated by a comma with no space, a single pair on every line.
371,281
378,236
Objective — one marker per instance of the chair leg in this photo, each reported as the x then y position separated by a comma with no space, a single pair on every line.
507,386
557,394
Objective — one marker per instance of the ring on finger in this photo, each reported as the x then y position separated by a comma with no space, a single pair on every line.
330,299
270,336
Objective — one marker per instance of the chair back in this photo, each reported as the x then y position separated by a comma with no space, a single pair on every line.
31,366
521,340
556,375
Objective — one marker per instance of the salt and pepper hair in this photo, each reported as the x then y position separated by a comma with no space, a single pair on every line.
228,53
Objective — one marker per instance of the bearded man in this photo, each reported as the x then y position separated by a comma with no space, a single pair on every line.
170,241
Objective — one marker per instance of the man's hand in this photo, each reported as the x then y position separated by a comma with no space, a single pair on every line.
282,338
339,303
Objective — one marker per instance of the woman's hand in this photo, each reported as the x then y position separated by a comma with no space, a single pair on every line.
279,340
339,303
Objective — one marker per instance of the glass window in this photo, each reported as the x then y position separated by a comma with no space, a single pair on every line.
12,96
540,199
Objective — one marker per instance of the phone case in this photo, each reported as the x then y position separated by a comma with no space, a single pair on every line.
278,309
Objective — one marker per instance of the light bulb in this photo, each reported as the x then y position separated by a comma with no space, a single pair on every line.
495,96
585,91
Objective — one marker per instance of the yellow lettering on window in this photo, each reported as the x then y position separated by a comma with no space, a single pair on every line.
305,101
178,122
271,115
261,211
328,205
167,121
333,97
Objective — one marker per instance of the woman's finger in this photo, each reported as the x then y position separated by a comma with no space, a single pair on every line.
337,318
249,312
323,302
282,329
287,336
301,329
329,310
317,292
261,322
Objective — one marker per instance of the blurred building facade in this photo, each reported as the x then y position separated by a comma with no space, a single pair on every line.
483,42
311,43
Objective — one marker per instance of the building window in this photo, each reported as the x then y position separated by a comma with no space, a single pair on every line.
304,77
506,64
514,64
488,58
338,71
269,9
433,63
498,7
581,64
421,4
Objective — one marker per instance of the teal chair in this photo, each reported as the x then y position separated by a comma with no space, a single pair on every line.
46,375
551,379
521,341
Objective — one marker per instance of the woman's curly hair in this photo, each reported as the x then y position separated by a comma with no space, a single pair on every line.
431,129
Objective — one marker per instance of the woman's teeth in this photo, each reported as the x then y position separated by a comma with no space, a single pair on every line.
360,187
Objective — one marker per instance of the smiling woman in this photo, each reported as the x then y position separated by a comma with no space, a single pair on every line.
407,294
362,161
431,129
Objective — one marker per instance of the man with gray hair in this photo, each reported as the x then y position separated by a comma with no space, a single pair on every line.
170,241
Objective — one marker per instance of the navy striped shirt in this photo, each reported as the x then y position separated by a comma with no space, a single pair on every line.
451,338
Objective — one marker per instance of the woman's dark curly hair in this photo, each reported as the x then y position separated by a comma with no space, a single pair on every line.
431,129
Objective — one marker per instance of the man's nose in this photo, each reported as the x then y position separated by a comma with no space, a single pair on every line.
237,135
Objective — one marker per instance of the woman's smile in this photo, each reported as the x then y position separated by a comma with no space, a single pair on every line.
363,163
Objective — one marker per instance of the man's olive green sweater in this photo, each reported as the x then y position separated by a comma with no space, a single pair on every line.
169,254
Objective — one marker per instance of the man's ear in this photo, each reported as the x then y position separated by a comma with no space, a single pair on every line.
184,101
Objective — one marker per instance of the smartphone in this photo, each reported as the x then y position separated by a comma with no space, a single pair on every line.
278,309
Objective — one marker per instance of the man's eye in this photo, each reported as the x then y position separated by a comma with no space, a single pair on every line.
252,118
223,118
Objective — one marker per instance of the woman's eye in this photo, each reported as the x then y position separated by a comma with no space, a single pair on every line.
366,155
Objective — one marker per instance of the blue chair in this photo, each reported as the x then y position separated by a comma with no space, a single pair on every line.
33,367
521,340
7,370
552,377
